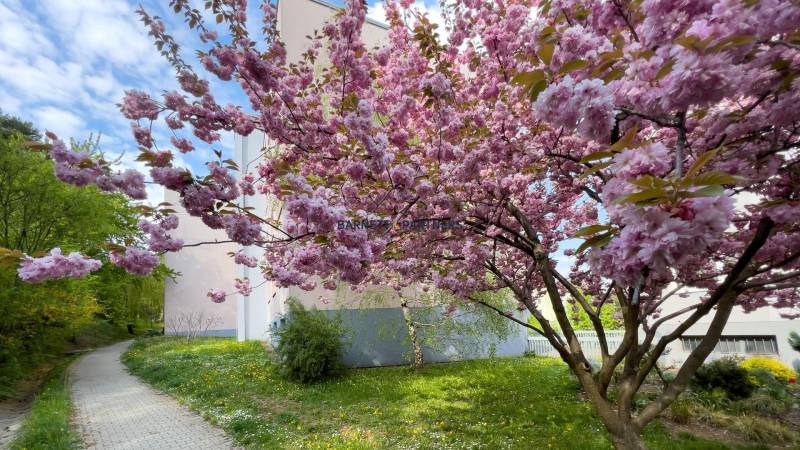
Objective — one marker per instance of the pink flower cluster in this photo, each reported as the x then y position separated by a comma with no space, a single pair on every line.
244,259
243,286
160,241
216,295
56,266
653,240
652,159
587,105
135,260
80,169
241,228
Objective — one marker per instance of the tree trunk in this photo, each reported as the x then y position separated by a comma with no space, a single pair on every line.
412,334
627,438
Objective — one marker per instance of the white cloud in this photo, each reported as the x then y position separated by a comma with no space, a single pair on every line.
21,33
60,122
434,13
65,64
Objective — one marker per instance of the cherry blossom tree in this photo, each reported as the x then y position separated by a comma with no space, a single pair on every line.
663,134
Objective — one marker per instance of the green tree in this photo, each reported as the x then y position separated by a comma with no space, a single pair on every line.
10,126
37,213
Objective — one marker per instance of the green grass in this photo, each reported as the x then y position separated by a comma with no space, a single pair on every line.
47,426
494,404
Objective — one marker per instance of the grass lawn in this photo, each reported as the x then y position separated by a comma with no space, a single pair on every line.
47,427
493,404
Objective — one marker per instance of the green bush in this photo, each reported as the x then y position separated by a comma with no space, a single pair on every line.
724,374
309,345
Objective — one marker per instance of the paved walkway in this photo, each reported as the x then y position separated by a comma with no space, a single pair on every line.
12,415
114,410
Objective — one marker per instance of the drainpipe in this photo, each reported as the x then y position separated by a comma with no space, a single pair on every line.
245,271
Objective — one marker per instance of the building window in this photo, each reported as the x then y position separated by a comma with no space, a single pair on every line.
751,345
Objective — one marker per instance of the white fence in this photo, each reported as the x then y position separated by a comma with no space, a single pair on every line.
539,345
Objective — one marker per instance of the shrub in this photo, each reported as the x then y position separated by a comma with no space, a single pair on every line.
762,430
724,374
681,410
309,345
778,369
768,384
762,404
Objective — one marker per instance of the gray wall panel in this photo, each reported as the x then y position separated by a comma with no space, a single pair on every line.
379,337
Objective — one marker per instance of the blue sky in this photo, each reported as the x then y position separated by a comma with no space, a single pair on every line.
64,65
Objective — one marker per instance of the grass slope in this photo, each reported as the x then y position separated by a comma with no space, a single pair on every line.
498,404
47,426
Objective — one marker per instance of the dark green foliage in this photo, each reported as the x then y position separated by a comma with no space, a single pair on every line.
794,341
11,126
724,374
309,345
610,317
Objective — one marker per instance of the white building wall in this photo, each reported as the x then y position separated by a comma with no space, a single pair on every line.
210,267
762,322
200,269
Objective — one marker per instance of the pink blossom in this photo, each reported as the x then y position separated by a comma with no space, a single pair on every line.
171,177
131,183
142,136
653,159
159,240
246,185
402,175
138,105
182,144
586,105
56,266
242,229
438,84
135,260
216,295
243,286
244,259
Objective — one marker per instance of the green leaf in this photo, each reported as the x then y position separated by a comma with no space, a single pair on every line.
707,191
602,68
732,41
595,168
590,230
528,78
546,53
610,56
596,241
701,161
626,141
641,196
712,178
615,74
537,89
645,181
546,32
596,156
665,69
575,64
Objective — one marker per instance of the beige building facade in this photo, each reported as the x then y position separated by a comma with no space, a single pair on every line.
375,320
